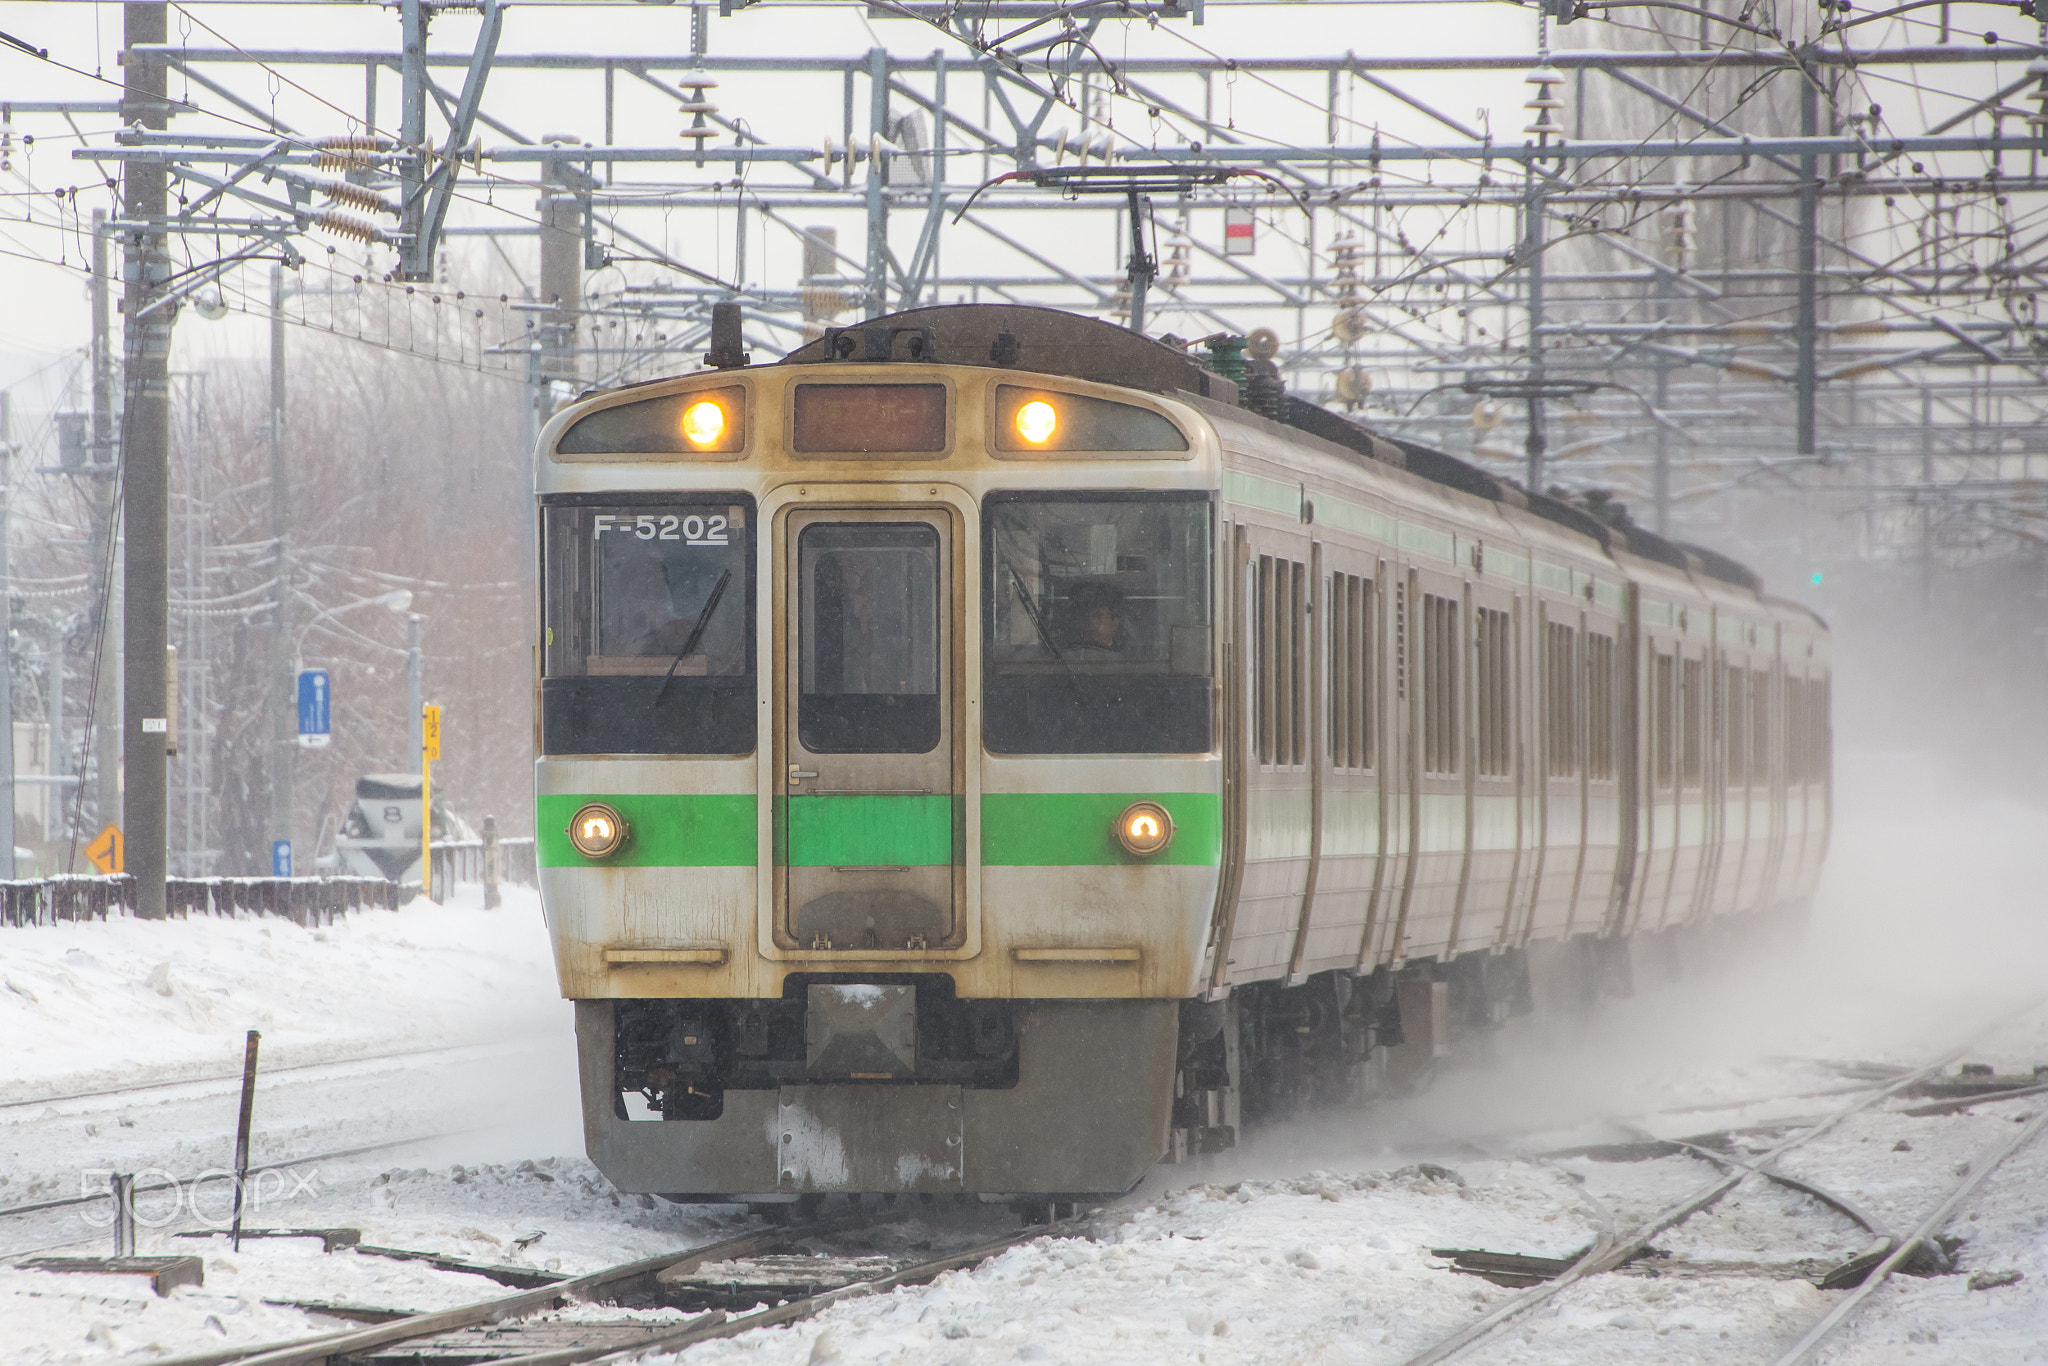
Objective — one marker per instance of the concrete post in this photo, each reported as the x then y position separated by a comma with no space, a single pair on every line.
145,476
6,648
1806,328
878,208
283,684
415,668
104,687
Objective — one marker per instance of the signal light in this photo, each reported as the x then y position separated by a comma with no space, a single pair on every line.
1037,421
1144,829
703,423
597,830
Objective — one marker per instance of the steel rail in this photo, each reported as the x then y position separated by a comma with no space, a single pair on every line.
1839,1203
733,1325
222,1174
1597,1259
1936,1219
268,1073
497,1309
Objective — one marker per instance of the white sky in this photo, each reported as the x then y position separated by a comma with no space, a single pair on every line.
45,322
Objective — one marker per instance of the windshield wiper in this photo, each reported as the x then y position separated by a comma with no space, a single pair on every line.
1038,625
696,634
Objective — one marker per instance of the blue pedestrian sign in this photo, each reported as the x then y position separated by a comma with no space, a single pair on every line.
315,712
280,858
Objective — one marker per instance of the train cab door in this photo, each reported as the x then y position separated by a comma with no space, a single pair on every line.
868,836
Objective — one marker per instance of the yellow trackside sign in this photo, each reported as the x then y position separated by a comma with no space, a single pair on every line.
104,853
430,733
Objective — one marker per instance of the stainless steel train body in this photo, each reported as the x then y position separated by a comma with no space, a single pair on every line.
865,686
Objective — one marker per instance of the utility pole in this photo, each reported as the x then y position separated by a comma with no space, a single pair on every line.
1926,498
1806,328
6,644
415,668
145,473
283,686
105,720
53,708
1544,106
561,282
1660,473
413,16
1532,248
878,207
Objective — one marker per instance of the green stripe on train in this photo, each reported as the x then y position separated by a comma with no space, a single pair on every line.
1018,829
669,830
1066,829
859,830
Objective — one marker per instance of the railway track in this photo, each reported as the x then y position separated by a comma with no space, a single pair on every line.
509,1330
227,1082
1884,1255
719,1285
179,1108
1911,1245
60,1203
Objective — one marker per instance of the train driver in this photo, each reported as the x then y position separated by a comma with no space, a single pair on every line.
642,619
1095,620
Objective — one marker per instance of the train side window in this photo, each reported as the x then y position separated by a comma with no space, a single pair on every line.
1561,701
648,642
1096,623
1439,657
1823,729
1735,714
1279,618
1352,671
1795,730
1262,659
1493,681
1599,706
1759,726
1663,698
1692,687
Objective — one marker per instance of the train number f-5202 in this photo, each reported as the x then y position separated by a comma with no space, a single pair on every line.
691,530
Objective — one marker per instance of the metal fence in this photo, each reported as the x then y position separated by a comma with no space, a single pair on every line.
306,900
457,861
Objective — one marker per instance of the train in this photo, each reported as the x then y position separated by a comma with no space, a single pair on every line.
381,835
990,752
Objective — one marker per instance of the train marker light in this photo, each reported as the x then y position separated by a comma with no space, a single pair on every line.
1037,421
703,423
1144,829
597,830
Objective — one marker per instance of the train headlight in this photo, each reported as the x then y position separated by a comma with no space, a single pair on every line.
703,424
1144,829
597,830
1037,421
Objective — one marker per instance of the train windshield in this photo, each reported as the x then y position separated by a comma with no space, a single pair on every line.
648,612
1097,623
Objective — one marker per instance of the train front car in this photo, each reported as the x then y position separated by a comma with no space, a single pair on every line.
878,798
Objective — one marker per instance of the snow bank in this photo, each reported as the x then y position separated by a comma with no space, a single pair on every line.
113,1003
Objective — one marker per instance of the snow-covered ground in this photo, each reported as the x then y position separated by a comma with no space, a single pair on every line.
1308,1243
99,1004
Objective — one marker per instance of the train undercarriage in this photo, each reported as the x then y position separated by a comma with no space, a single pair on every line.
890,1084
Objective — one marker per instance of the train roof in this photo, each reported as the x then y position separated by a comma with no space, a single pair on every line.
1050,341
1019,337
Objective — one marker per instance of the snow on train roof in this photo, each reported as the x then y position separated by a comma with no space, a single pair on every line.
1053,342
